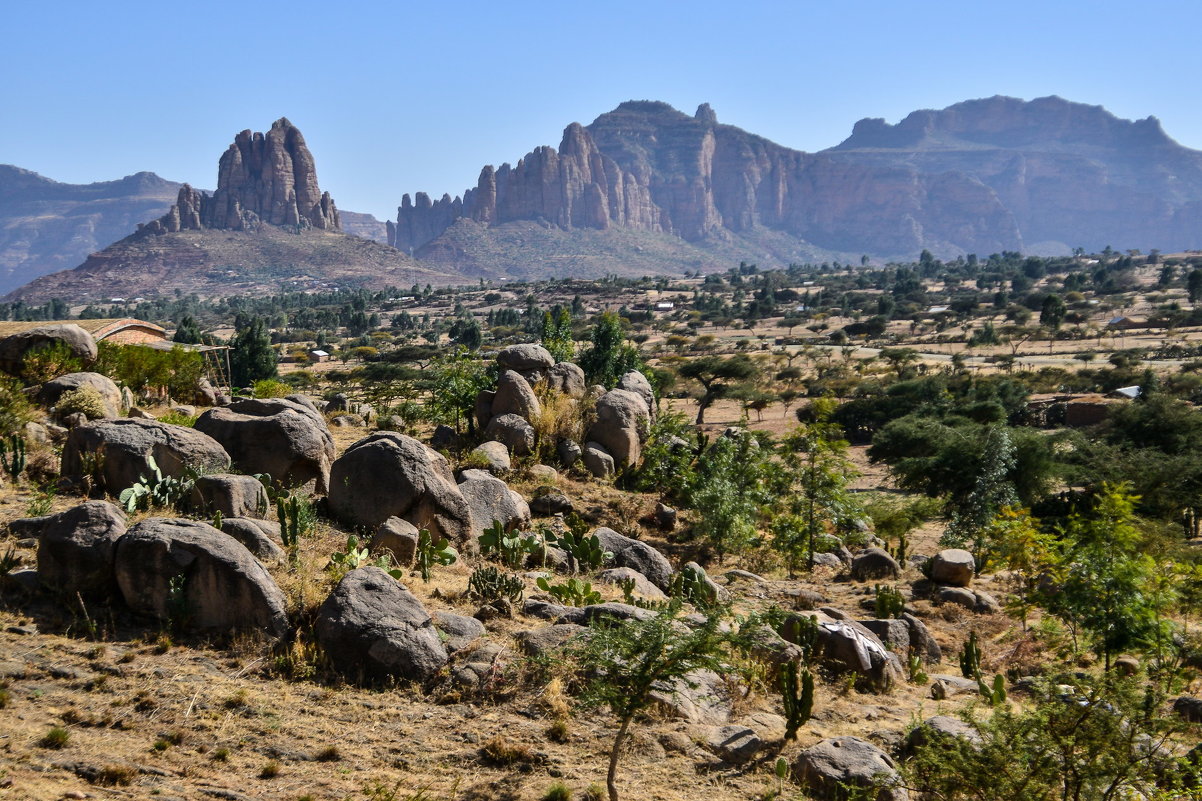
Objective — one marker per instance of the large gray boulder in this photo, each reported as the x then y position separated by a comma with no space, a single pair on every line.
260,537
638,556
514,396
597,460
14,348
119,449
375,630
391,475
954,567
54,389
195,575
512,431
76,547
826,770
495,454
874,563
489,498
286,438
636,382
567,378
622,423
845,645
231,494
531,361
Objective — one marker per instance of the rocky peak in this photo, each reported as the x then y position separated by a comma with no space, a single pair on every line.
261,178
706,115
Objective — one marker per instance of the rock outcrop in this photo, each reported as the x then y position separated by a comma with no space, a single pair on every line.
127,445
261,178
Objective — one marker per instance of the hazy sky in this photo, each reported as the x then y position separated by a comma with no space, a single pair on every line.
398,96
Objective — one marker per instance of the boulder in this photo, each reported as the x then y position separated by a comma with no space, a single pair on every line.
945,686
444,437
622,423
665,516
893,632
874,563
76,547
173,569
531,361
391,475
636,382
348,421
544,474
398,537
514,396
701,696
549,501
638,556
953,566
232,495
489,498
712,589
127,444
922,644
941,729
54,389
483,410
479,666
1188,708
975,600
827,769
260,537
846,645
14,348
569,452
461,630
642,585
495,454
513,431
597,460
286,438
537,642
566,378
735,745
375,630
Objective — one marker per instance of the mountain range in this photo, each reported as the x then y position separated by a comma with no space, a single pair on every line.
643,189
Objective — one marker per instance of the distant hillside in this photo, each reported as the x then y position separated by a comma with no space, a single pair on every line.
267,228
47,226
978,177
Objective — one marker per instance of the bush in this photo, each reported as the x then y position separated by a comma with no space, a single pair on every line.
177,370
271,388
15,408
48,361
85,399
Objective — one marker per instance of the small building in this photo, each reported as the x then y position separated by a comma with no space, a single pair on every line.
665,305
1125,323
1130,393
318,356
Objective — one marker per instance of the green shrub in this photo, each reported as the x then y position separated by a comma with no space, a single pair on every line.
48,361
177,419
15,408
271,388
85,399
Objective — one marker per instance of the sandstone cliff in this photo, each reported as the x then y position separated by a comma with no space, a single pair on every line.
647,167
261,178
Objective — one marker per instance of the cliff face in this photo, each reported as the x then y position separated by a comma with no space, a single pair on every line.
261,178
647,167
1069,173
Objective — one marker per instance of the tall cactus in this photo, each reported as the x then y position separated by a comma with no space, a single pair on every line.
970,658
13,455
797,690
289,511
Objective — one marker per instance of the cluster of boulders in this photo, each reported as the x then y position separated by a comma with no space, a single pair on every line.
509,413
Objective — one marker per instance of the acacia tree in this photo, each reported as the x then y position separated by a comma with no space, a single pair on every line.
715,374
458,378
631,662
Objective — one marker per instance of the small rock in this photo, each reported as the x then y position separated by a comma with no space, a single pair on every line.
953,566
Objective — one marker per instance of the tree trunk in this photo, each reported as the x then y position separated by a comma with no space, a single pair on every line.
619,738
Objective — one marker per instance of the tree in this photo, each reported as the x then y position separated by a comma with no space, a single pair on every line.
1194,285
733,481
459,377
632,661
992,491
188,332
815,456
1108,576
251,356
715,373
557,334
1051,313
610,356
466,331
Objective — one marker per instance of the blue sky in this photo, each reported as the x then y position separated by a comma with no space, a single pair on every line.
398,96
